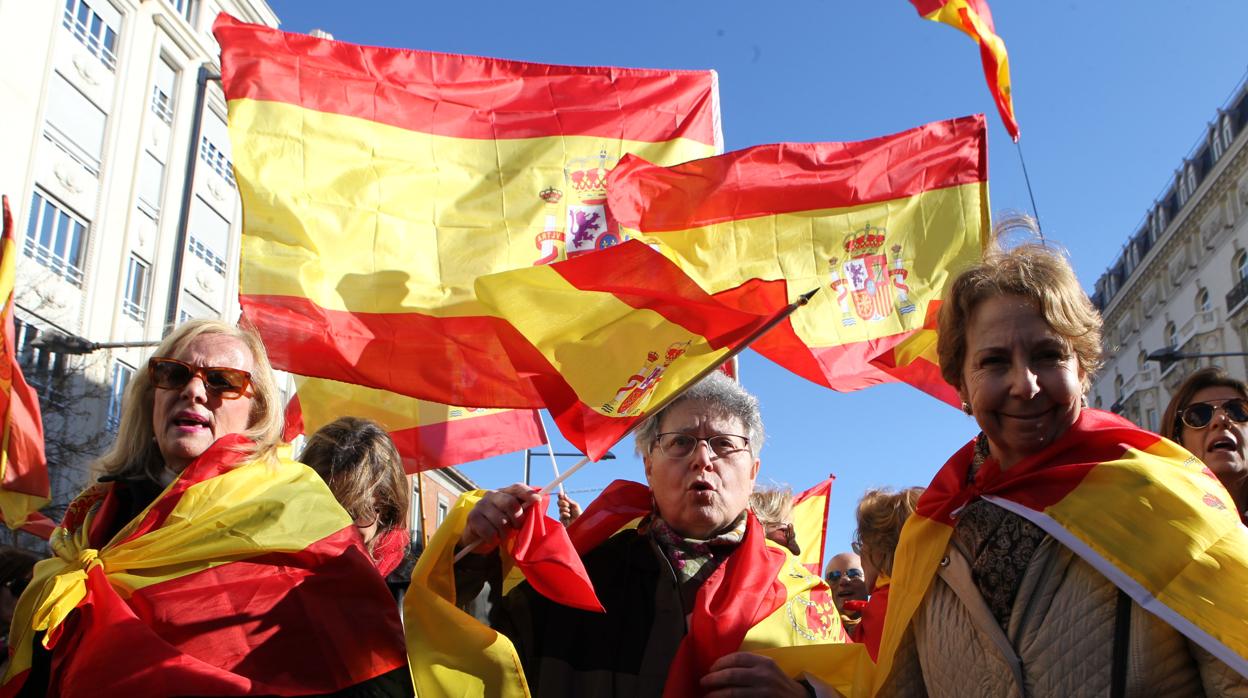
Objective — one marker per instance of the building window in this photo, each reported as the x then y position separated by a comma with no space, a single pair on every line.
1202,301
186,8
1118,387
39,366
55,238
1240,266
1172,336
210,235
1187,183
1141,361
191,309
117,391
134,298
94,29
1225,132
1150,419
215,158
199,249
1157,222
444,508
151,185
163,89
74,124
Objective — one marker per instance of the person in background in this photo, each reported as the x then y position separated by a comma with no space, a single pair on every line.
1208,416
701,456
1008,608
16,567
845,575
359,462
881,514
204,562
774,509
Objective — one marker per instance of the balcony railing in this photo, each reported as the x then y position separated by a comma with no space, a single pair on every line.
1237,295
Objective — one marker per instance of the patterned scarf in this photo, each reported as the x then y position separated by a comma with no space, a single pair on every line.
695,559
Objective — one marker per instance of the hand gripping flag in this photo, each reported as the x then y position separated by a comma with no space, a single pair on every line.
379,184
1139,509
879,224
23,466
428,435
810,524
241,578
973,18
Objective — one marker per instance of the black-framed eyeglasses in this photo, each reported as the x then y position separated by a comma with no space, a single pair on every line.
171,374
852,573
676,444
1199,415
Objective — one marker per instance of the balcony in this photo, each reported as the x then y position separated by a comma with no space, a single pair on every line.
1237,296
1200,323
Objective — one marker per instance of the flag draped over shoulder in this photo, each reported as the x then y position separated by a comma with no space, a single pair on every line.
606,338
23,466
379,184
879,224
286,604
810,523
759,597
1142,511
428,435
973,18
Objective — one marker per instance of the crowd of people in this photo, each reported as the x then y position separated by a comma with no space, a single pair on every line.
206,561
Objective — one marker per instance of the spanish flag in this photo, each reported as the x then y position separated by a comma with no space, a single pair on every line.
973,18
810,523
879,224
23,466
427,435
1138,508
379,184
287,603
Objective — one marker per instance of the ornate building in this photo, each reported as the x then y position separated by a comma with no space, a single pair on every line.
1181,281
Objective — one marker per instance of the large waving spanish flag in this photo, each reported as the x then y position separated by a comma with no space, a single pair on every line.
1142,511
23,466
879,224
810,524
379,184
427,434
241,578
973,18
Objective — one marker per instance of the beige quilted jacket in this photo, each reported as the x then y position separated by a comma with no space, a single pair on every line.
1059,641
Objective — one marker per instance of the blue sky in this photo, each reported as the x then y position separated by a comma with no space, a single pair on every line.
1110,97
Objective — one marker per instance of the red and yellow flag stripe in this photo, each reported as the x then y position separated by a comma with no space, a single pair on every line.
810,524
172,606
879,224
24,485
428,435
409,175
973,18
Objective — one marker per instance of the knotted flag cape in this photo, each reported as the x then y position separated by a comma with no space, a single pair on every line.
241,578
379,184
1142,511
880,225
427,434
761,596
23,467
973,18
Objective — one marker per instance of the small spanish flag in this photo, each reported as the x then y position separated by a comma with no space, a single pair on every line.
810,523
23,466
428,435
973,18
880,225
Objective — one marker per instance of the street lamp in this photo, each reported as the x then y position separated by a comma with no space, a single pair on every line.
1171,354
61,343
529,453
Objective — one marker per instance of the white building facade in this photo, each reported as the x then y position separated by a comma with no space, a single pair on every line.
101,127
1181,281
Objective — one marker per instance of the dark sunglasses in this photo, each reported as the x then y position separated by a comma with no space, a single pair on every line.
852,573
1198,415
226,383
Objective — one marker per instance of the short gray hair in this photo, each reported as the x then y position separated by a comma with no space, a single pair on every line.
724,396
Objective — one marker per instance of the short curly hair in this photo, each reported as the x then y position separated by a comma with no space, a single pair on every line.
1035,272
881,514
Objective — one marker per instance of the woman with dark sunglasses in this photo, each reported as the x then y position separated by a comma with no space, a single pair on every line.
1208,416
205,561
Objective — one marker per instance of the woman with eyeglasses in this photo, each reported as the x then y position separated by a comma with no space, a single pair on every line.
1208,416
359,462
1062,552
205,561
688,592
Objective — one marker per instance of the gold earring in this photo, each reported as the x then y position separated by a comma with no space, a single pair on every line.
966,407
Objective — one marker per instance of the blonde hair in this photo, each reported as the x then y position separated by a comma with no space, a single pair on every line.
881,514
134,453
1035,272
772,505
359,462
